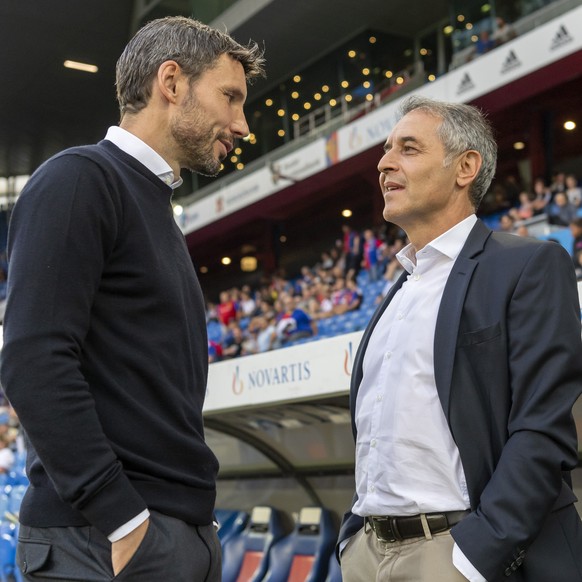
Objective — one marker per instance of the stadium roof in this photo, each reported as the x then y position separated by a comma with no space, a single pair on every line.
45,107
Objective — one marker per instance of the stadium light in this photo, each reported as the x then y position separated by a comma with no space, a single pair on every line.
77,66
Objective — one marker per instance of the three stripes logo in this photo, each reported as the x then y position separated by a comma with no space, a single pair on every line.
511,62
561,38
466,84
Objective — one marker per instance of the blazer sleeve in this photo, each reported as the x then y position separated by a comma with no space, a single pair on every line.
544,371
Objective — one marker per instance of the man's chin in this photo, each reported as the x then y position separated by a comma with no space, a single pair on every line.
210,172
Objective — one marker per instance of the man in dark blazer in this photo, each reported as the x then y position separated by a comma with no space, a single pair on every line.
463,384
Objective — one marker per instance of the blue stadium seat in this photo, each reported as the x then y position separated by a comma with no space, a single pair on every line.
563,236
15,498
325,326
4,501
214,330
362,320
245,557
334,573
230,523
362,278
8,569
303,556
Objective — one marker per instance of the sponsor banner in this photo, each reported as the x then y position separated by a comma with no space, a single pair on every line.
374,128
370,130
255,186
545,44
301,164
315,369
530,52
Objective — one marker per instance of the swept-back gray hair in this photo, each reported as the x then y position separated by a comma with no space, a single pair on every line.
193,45
463,128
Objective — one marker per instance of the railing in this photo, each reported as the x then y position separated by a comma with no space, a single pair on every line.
323,117
322,124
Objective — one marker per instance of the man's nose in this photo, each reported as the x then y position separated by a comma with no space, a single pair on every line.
386,163
239,126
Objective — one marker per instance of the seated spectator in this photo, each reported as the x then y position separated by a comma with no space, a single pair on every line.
247,305
525,209
371,261
342,296
326,260
293,323
507,223
484,43
576,230
503,33
558,183
578,264
233,344
561,212
227,308
542,195
353,251
214,351
522,230
356,295
325,302
307,276
264,330
339,293
573,191
6,454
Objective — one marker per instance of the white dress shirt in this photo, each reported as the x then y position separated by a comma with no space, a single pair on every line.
406,459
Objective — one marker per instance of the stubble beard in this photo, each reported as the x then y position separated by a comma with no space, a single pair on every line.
195,142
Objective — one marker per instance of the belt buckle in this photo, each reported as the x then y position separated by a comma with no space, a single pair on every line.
390,529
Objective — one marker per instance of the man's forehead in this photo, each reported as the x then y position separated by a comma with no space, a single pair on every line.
416,124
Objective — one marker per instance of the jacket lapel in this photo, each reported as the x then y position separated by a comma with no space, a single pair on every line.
451,307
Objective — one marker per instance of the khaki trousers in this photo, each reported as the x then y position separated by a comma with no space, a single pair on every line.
366,559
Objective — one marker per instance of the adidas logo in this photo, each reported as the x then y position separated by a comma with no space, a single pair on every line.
466,84
511,62
561,38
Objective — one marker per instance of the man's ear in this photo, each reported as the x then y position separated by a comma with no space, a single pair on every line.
168,78
468,167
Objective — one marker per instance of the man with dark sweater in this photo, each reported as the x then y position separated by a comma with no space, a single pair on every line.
105,348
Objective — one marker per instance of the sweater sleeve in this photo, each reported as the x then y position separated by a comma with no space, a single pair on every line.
62,230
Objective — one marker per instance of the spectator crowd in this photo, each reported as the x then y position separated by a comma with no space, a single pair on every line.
283,310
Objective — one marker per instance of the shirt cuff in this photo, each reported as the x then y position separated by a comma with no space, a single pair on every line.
462,564
128,527
342,546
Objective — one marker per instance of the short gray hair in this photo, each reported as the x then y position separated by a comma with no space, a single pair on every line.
193,45
463,128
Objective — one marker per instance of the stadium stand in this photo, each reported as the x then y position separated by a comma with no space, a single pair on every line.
303,555
246,555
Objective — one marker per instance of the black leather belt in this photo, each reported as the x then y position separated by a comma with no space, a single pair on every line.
392,529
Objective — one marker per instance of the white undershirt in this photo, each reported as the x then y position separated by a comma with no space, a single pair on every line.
143,153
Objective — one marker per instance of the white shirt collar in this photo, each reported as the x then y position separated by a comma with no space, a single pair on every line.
142,152
449,243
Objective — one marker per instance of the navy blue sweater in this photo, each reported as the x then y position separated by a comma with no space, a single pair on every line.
105,350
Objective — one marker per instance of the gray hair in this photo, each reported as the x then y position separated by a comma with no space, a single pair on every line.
193,45
463,128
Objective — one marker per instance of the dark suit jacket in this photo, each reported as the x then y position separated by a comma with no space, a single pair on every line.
508,369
